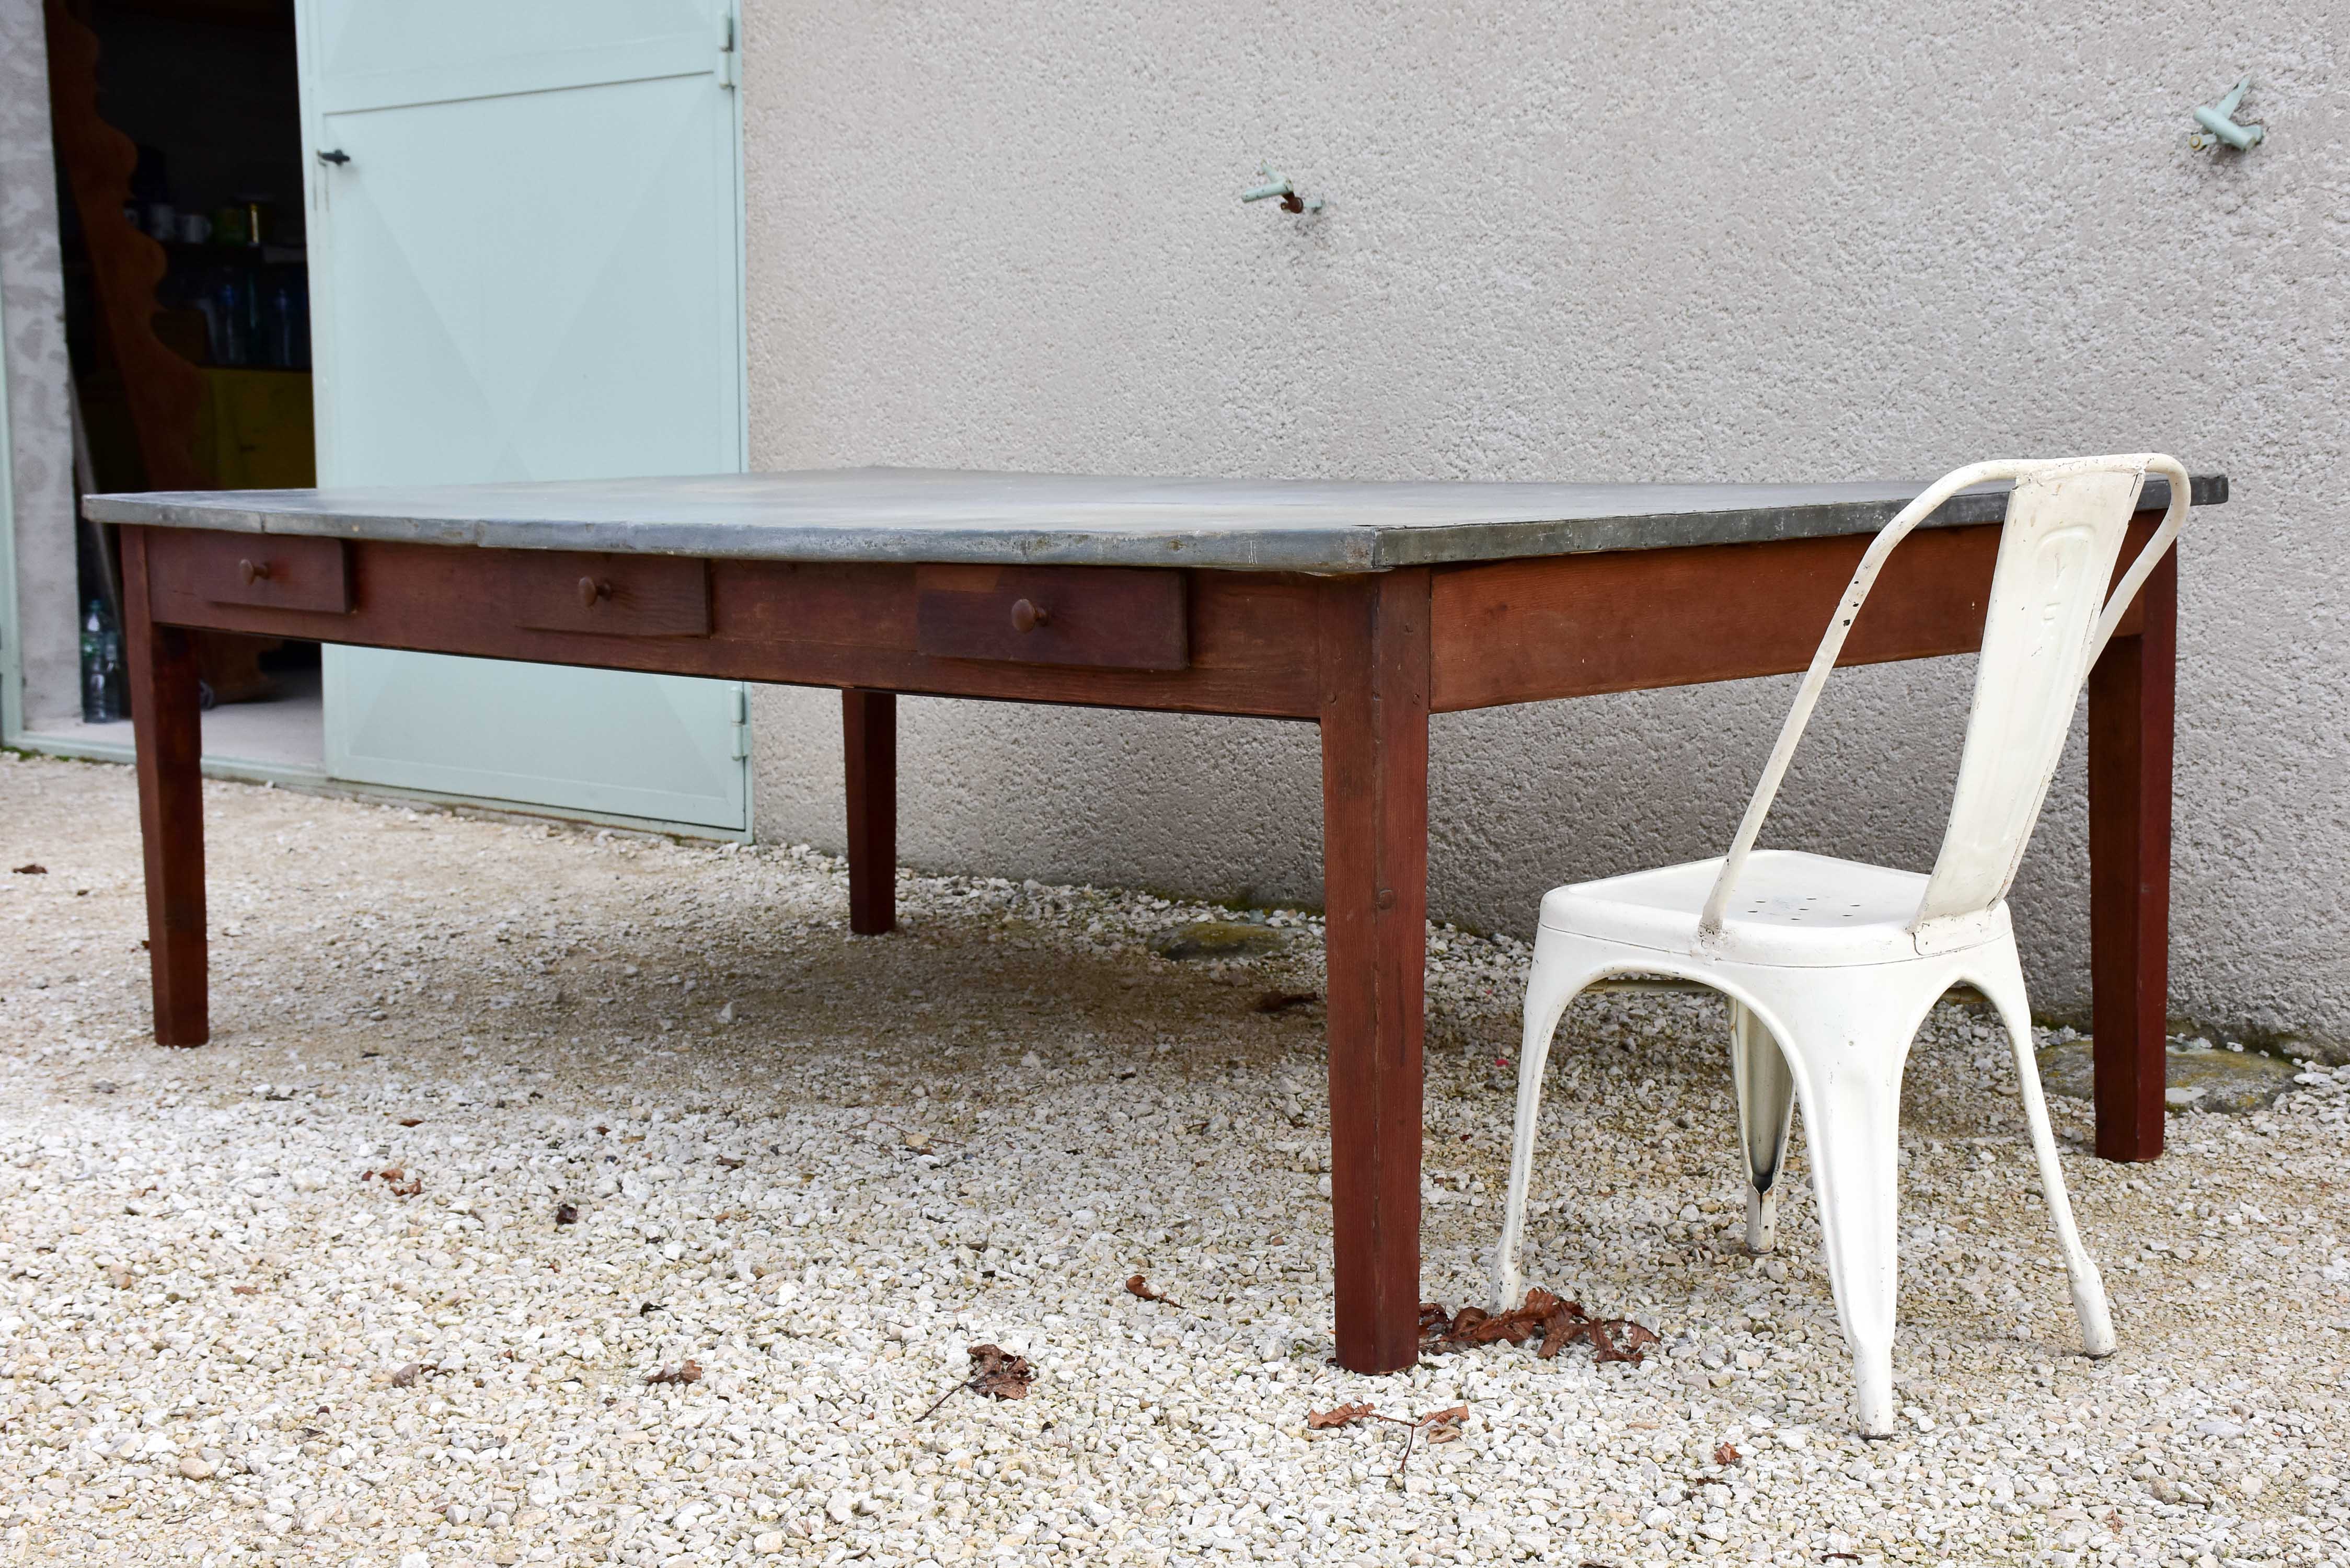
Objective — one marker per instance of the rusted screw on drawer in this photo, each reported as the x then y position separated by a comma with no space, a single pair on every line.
252,572
1027,617
590,590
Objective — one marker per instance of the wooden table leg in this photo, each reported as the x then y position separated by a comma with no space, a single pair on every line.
2132,696
167,725
870,738
1374,636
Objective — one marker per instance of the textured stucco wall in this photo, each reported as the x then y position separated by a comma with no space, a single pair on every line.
1754,240
33,337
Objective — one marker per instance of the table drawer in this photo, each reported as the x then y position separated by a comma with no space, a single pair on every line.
608,594
1104,617
275,571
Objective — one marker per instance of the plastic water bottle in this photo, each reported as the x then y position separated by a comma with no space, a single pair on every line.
101,669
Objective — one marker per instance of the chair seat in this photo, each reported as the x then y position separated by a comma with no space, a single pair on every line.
1789,907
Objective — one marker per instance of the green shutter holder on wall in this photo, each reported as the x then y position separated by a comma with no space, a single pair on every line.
1272,185
2215,123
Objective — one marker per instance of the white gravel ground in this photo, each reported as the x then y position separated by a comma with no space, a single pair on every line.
821,1168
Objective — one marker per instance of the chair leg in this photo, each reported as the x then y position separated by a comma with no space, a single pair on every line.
1766,1104
2088,1285
1550,986
1848,1059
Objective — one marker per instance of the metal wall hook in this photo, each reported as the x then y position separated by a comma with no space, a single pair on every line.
2215,123
1280,185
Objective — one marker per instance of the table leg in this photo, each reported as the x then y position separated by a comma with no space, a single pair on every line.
2132,696
870,738
1374,636
167,725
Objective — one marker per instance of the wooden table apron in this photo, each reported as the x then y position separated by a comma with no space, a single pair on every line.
1368,657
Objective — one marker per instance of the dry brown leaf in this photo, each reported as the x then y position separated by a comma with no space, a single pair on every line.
1441,1427
998,1373
244,1289
1136,1285
406,1377
1344,1415
1725,1455
684,1372
411,1121
567,1214
1556,1321
398,1182
730,1162
30,868
1444,1426
1635,1337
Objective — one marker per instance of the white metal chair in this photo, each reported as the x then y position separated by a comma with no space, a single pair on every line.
1830,965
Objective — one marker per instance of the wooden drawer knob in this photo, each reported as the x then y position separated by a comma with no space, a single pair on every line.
1028,616
252,572
592,589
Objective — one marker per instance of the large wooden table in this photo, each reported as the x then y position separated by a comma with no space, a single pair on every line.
1361,608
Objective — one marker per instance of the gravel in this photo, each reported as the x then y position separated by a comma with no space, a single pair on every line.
304,1295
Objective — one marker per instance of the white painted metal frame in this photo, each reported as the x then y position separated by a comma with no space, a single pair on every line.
1830,966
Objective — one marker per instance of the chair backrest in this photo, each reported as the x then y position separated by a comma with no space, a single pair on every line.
2048,619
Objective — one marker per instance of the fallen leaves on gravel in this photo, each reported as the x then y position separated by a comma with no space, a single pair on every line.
396,1181
1725,1455
30,868
1557,1321
411,1121
684,1372
405,1377
1446,1422
999,1374
1441,1425
1345,1415
1139,1287
567,1214
994,1372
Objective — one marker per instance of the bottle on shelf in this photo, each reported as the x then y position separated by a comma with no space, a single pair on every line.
101,667
279,322
231,316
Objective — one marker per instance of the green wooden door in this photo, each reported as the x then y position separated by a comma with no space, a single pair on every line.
526,264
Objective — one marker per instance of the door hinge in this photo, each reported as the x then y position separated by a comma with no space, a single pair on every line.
728,76
741,722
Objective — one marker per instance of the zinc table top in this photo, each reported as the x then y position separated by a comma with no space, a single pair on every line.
946,516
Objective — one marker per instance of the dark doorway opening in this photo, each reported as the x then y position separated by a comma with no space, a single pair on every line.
177,126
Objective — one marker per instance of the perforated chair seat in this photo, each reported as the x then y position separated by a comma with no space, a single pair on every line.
1791,908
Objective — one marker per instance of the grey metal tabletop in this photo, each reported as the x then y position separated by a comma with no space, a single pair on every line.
952,515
